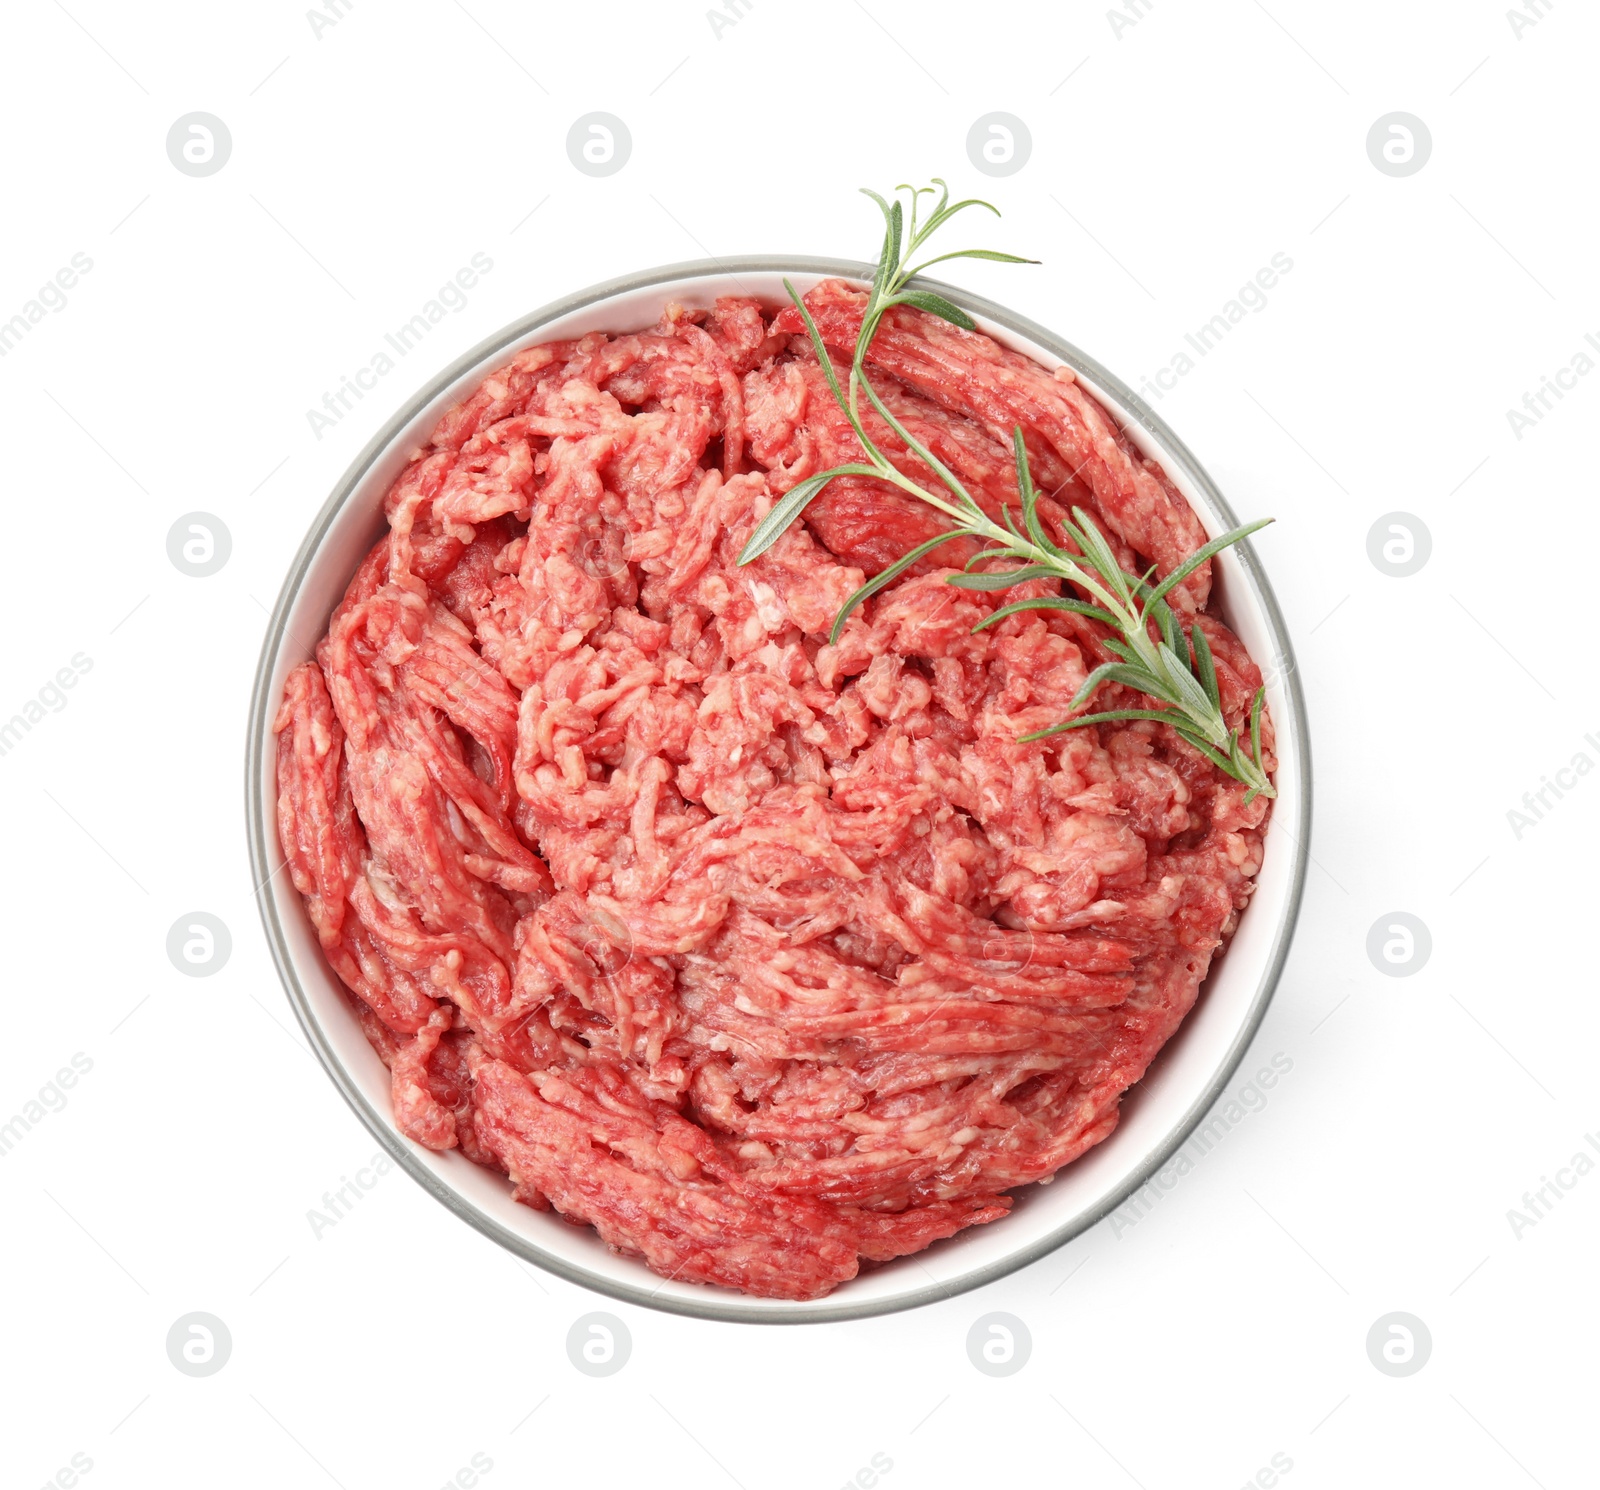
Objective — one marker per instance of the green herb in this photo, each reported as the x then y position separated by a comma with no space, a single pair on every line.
1153,654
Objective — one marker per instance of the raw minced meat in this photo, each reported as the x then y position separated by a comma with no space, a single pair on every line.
762,956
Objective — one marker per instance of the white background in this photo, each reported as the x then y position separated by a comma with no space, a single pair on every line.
369,163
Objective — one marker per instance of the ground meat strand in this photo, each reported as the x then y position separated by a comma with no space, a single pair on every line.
765,957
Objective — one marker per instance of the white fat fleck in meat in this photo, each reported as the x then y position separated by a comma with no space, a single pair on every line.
769,609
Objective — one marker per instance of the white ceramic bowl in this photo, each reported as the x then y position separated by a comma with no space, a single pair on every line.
1157,1115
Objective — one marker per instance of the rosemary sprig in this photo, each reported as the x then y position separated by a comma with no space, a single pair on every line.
1154,656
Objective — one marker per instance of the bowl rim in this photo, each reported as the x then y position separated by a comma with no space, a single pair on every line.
723,1304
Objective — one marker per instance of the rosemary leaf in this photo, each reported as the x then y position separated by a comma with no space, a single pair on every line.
942,214
789,506
995,553
1205,667
937,305
1047,602
1235,759
820,348
1002,579
1029,495
1106,716
1098,552
973,253
1160,716
913,444
1190,696
1171,632
1200,555
1129,674
887,577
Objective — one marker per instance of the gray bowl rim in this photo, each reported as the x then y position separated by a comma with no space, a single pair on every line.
723,1304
